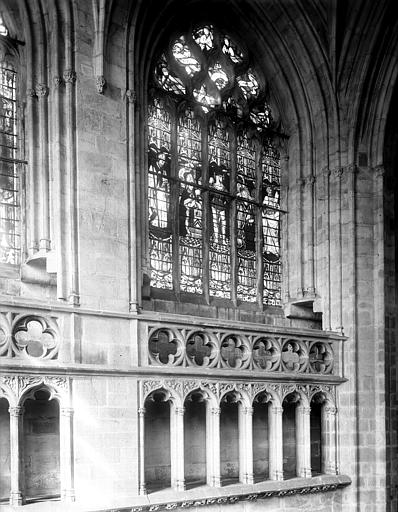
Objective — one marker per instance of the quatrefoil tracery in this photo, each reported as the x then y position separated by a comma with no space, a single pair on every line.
34,337
209,349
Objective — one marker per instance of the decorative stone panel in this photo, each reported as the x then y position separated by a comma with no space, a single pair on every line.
28,336
217,348
179,388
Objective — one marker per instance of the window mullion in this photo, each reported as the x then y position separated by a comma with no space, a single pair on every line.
175,192
233,222
206,213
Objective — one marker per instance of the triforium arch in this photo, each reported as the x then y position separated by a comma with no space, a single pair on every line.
19,389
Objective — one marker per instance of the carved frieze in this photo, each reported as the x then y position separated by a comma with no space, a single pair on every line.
248,392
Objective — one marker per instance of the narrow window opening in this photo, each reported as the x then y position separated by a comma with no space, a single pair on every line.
260,441
41,446
5,481
316,438
195,440
229,440
157,442
289,438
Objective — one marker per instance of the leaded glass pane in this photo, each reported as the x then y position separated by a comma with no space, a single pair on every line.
219,180
189,145
218,75
3,28
270,168
232,50
183,55
246,220
160,232
249,84
203,36
166,79
9,169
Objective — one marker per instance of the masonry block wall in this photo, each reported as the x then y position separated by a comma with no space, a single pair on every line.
83,275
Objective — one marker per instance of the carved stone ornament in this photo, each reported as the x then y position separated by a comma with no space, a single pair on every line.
261,392
100,83
69,76
58,81
210,348
19,385
35,337
41,90
131,96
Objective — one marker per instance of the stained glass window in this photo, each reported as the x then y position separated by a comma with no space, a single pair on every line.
213,173
9,165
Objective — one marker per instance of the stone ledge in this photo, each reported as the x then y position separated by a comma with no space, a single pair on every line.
203,496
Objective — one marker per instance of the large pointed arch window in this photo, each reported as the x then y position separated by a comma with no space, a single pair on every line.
213,174
10,165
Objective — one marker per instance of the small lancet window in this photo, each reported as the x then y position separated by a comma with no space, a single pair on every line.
213,173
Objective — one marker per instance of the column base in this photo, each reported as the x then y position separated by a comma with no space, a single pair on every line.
215,481
179,485
142,490
16,499
305,473
248,479
330,469
276,475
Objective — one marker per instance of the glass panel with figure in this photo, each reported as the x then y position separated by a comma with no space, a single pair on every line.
160,233
189,142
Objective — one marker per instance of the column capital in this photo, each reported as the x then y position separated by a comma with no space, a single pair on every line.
304,409
216,411
248,411
141,411
179,411
70,76
41,90
66,411
330,409
16,411
276,409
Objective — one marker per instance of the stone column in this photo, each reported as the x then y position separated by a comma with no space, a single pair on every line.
246,445
213,446
66,455
141,427
303,441
329,465
177,448
275,442
16,415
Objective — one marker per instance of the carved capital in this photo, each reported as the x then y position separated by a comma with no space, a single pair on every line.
58,81
179,411
31,93
331,410
276,410
41,90
100,83
379,171
67,412
248,411
141,411
215,411
70,76
131,96
16,411
337,173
